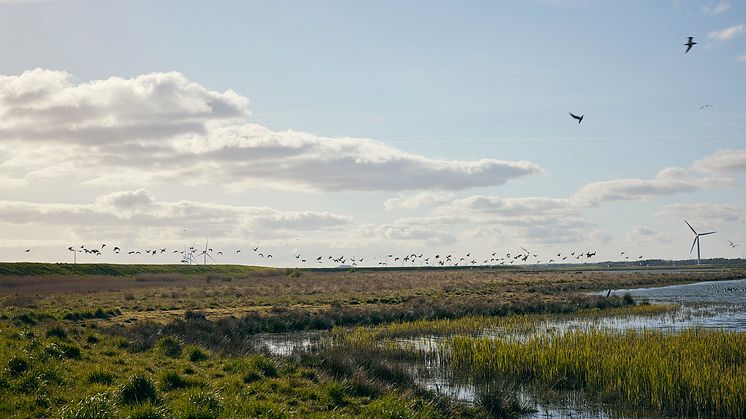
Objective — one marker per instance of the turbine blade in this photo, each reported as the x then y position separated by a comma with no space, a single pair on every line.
693,243
710,232
690,226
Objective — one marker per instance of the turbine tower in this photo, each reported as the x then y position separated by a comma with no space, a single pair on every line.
696,239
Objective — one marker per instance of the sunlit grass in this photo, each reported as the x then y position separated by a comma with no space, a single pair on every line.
700,372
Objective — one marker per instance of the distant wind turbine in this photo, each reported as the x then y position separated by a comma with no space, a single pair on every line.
696,239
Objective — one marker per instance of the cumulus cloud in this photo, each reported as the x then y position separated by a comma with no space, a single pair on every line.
723,161
640,234
716,8
161,126
727,33
139,209
418,200
669,181
510,207
704,212
404,233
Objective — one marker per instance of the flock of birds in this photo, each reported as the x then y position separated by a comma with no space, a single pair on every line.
192,255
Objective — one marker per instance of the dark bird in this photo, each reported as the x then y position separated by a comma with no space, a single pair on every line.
731,244
579,118
28,250
689,44
256,248
705,106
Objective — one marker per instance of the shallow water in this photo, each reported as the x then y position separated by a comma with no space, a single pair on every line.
717,304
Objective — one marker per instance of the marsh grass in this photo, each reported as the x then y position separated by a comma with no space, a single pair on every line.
695,372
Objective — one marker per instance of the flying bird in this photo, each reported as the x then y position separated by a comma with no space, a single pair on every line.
731,244
579,118
689,44
705,106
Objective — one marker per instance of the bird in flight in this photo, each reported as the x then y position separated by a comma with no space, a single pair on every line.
731,244
579,118
705,106
689,44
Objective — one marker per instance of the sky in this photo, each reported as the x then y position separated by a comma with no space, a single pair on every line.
368,129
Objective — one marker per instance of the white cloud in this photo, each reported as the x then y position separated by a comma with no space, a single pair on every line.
644,235
404,233
161,126
723,161
510,207
716,8
669,181
11,183
138,209
727,33
703,212
418,200
741,58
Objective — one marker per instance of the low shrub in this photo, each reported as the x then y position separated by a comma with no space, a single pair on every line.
57,332
196,354
17,365
100,377
170,347
138,389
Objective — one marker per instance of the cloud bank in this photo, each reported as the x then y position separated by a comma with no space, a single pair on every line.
163,126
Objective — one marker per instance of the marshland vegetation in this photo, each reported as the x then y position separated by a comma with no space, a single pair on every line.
188,344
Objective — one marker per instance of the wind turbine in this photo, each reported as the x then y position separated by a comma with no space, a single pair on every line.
205,254
696,239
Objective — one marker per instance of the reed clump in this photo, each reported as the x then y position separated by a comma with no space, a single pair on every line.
695,372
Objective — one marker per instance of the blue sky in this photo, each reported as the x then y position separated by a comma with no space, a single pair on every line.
439,80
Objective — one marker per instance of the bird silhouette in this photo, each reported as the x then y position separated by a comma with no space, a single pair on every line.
689,44
705,106
579,118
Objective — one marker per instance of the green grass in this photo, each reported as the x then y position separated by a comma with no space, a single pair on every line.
695,372
66,374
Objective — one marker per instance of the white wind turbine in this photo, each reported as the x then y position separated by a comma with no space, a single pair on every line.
696,239
205,254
